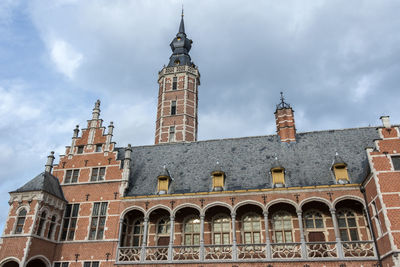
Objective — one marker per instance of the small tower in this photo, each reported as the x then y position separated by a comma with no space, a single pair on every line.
284,117
178,95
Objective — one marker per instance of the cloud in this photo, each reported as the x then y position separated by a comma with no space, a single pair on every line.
65,57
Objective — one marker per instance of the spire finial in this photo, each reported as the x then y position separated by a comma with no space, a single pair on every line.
182,11
96,110
282,98
282,104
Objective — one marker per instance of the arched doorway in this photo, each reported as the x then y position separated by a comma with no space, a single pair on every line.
36,263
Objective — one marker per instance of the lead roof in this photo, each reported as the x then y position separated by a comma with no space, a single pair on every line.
247,161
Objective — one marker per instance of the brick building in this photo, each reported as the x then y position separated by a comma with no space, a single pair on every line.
325,198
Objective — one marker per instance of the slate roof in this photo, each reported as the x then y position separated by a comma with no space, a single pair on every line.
43,182
247,161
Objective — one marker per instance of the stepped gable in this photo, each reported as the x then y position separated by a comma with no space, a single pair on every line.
247,161
43,182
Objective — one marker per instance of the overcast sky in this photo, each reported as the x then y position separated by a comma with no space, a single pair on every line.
337,62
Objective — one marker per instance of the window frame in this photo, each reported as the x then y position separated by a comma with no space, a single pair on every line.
96,148
252,231
348,228
172,134
17,224
52,227
174,83
97,217
79,149
98,171
69,228
221,232
128,232
42,223
192,233
282,230
71,179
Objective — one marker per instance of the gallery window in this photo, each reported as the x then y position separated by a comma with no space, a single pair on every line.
192,232
251,229
347,225
282,227
221,230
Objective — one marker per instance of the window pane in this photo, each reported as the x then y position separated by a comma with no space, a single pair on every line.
351,222
188,240
57,264
196,227
94,174
319,223
73,223
136,241
100,234
247,226
217,227
75,176
247,238
96,209
75,210
103,208
86,264
342,222
279,237
256,226
226,238
217,239
288,236
309,223
95,264
71,235
102,221
287,224
102,173
226,227
353,234
196,239
92,234
257,238
68,176
68,210
65,264
136,229
343,235
278,224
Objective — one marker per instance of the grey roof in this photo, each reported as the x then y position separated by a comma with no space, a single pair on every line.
247,161
43,182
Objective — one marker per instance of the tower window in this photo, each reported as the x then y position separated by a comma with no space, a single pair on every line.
172,134
174,82
173,107
396,163
20,221
177,62
98,147
42,220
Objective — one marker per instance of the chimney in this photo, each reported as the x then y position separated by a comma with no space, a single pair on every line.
49,164
385,121
284,117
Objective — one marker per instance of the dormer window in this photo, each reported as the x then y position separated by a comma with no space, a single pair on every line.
341,174
163,184
278,176
218,180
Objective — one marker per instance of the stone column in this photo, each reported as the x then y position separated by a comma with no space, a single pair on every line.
234,245
144,241
267,240
302,240
202,237
121,221
337,234
171,238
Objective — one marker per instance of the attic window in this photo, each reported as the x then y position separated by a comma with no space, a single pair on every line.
396,163
278,176
341,174
218,179
163,184
79,150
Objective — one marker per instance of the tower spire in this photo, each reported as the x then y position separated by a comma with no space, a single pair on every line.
182,25
180,47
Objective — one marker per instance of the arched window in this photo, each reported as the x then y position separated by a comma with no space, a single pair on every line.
192,232
313,220
221,230
20,221
282,227
51,226
314,224
347,225
251,229
132,232
42,220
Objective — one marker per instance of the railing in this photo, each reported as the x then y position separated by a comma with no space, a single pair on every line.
186,253
313,251
321,250
156,253
251,251
129,253
286,250
358,249
217,252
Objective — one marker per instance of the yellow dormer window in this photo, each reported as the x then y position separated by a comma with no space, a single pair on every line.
341,174
218,179
278,176
163,184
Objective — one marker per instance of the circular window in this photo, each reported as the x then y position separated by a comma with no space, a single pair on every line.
177,62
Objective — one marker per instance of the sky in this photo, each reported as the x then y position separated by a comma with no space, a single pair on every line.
337,62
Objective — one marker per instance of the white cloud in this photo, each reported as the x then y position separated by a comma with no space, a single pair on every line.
65,57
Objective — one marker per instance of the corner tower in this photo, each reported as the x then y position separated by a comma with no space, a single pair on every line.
178,95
